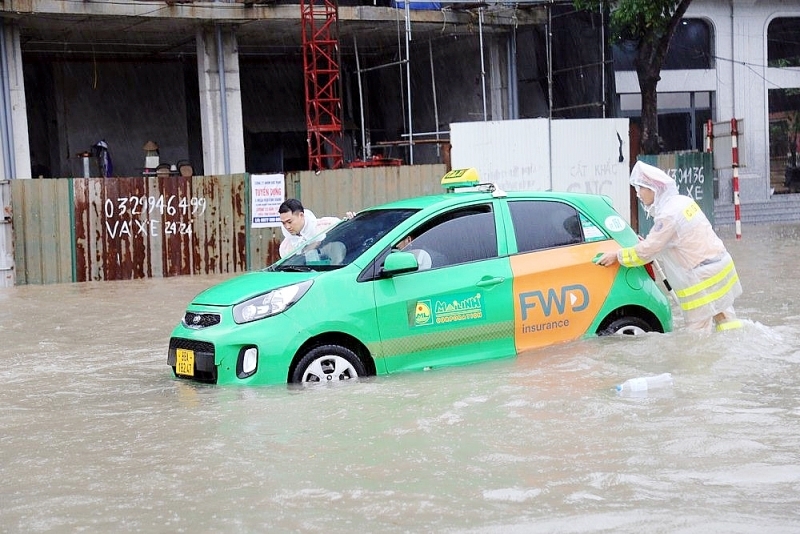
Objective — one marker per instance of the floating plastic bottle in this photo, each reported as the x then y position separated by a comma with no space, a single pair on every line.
645,383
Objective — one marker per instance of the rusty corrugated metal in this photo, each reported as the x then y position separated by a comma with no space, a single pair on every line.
334,193
221,228
177,224
42,231
7,277
694,174
159,226
85,229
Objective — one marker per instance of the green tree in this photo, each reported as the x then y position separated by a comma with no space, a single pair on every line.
650,24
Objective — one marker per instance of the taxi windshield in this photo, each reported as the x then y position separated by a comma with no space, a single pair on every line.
343,243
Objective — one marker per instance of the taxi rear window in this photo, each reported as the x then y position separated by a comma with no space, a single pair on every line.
544,224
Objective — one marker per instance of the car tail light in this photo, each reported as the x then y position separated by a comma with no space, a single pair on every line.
650,270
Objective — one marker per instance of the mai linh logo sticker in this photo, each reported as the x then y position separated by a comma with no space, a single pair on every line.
614,223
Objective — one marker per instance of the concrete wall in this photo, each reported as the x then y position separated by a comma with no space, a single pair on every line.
578,155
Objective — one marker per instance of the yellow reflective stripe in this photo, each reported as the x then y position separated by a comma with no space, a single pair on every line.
729,325
708,297
630,258
705,284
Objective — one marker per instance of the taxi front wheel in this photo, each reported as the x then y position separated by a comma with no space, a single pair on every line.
629,326
328,363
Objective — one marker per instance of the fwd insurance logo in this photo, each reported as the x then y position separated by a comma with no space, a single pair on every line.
572,298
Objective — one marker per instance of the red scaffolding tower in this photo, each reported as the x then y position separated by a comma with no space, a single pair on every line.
320,63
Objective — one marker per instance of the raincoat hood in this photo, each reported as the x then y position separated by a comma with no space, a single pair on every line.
653,178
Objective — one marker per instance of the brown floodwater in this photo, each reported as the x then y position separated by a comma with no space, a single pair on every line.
98,437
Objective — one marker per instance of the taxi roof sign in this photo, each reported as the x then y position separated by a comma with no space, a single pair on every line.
460,178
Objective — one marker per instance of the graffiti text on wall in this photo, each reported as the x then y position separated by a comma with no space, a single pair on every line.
170,206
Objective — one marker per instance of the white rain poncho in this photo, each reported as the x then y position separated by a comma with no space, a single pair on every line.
696,263
311,228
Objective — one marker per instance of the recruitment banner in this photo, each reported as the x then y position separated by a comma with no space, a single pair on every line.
267,193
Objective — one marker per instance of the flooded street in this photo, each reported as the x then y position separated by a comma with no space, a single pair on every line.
98,437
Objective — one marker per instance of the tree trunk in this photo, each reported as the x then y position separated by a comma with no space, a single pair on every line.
650,57
651,140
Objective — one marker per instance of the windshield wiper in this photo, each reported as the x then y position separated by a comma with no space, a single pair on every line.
295,268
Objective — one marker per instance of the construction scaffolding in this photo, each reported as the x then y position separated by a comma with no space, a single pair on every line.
319,19
558,82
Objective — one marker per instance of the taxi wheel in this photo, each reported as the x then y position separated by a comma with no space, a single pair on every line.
328,363
629,326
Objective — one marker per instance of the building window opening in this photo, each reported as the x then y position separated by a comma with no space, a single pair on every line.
783,42
681,117
784,140
690,48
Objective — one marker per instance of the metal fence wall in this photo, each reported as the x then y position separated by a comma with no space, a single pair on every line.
694,174
84,229
6,240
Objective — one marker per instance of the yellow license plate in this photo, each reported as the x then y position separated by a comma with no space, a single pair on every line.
184,362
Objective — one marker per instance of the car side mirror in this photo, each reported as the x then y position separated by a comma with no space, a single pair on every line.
398,263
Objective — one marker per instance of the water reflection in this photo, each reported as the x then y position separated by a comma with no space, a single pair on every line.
98,437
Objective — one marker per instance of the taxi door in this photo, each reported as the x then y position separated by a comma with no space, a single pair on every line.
457,311
558,291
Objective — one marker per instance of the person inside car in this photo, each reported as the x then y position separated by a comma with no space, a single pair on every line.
423,258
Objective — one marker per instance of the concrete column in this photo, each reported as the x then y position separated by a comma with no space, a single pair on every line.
15,153
220,101
751,94
498,77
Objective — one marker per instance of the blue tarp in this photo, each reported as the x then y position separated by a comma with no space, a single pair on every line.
418,5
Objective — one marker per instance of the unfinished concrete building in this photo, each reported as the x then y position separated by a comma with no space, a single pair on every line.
255,86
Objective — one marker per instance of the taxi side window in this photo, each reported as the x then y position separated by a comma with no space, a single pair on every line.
459,236
542,224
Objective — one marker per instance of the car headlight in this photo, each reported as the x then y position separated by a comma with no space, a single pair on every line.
271,303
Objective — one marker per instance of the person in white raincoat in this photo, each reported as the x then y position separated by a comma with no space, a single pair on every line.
698,267
299,225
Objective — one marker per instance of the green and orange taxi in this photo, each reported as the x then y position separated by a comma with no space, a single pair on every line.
469,275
